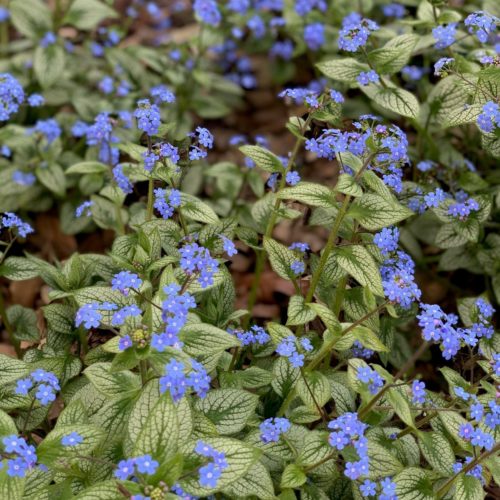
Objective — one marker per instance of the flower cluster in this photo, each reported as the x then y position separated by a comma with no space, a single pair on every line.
387,489
130,467
12,221
288,348
48,129
177,383
124,281
355,32
463,206
11,96
398,280
255,335
166,201
272,428
202,137
418,392
89,315
175,310
24,455
196,260
211,472
387,240
148,116
489,119
444,35
45,383
348,430
482,24
369,376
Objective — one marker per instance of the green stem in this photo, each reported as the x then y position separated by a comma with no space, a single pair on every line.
143,365
261,256
119,219
84,341
149,215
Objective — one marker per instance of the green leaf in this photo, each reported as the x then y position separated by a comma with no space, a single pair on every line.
358,262
362,334
87,14
117,385
311,194
24,323
468,488
88,167
327,316
461,115
375,212
413,484
197,210
399,401
293,477
11,369
7,425
281,258
228,409
201,339
263,158
382,462
347,185
48,64
285,376
318,385
315,449
255,483
18,269
106,490
394,55
11,488
393,99
31,18
52,177
342,69
159,433
299,312
437,451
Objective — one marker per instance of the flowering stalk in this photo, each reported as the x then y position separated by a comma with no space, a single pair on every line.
261,255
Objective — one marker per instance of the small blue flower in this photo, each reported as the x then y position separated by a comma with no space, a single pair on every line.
272,428
148,116
228,245
146,464
45,394
36,100
84,209
124,281
418,392
444,35
23,386
126,468
292,178
72,439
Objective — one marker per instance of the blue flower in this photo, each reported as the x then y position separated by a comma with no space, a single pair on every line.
196,259
367,77
124,343
314,35
303,7
489,119
355,32
444,35
394,10
84,209
88,315
418,392
49,129
125,469
482,24
368,376
11,96
36,100
23,386
292,178
148,116
228,246
272,428
283,49
125,312
161,93
336,96
122,180
368,488
16,467
210,473
71,439
124,281
207,11
146,464
387,239
48,39
45,394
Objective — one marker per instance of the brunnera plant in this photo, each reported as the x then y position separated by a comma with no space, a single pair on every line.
143,380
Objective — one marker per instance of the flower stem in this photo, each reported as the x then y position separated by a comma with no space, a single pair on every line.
261,255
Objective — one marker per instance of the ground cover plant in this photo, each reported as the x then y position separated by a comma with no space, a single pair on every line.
249,249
